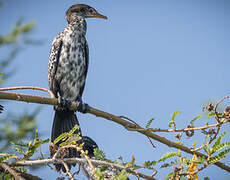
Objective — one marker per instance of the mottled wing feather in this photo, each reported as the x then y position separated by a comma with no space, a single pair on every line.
53,63
86,48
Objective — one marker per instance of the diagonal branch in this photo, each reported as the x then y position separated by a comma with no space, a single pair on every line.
130,126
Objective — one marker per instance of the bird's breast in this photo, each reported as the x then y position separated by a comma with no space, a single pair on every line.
72,66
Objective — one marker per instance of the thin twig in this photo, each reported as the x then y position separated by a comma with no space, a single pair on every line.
217,104
187,129
29,87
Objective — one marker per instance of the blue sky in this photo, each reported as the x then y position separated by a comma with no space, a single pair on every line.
149,59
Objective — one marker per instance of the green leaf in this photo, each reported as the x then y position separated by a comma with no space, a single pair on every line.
19,150
175,114
217,142
194,144
72,131
211,114
206,147
178,142
170,124
218,157
19,29
193,120
165,165
173,117
169,176
150,163
19,143
71,139
1,73
169,155
6,157
99,175
200,160
149,123
220,147
123,175
60,137
99,154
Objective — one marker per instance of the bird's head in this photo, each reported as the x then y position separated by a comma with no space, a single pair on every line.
83,11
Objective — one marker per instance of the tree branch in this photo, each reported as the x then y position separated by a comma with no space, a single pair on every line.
77,160
130,126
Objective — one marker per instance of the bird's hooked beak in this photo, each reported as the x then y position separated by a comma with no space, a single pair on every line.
97,15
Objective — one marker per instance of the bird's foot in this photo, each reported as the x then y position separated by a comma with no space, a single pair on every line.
82,107
64,103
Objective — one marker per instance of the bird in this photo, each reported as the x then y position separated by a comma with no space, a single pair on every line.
90,145
67,71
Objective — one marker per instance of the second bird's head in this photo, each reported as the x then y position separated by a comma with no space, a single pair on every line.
82,11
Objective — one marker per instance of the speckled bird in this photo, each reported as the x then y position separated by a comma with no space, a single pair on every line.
67,70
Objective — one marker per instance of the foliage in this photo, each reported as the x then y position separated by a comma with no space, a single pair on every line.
15,128
123,175
99,154
149,123
169,155
173,118
150,163
68,138
18,31
29,148
6,157
194,119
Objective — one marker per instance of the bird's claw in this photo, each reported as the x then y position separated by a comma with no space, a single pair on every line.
82,107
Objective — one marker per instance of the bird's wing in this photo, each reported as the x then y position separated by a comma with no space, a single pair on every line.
86,57
86,48
53,63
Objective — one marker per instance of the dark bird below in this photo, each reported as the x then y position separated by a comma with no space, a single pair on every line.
67,71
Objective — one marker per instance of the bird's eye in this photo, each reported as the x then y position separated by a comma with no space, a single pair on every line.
91,11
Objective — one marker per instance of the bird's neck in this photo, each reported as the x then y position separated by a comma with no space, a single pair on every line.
78,24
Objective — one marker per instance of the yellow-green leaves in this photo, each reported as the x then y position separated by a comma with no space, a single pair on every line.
27,149
149,123
99,154
68,138
6,157
173,118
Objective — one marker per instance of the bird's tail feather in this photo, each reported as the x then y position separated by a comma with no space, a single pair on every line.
64,121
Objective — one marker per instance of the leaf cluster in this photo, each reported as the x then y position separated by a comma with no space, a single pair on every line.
27,149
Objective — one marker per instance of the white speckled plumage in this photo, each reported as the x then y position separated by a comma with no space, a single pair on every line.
68,62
